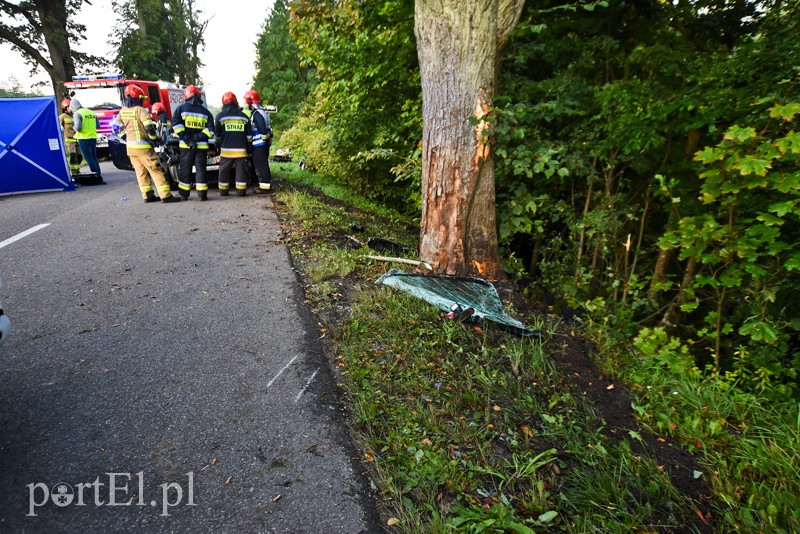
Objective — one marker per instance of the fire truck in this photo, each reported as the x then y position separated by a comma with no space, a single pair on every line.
103,94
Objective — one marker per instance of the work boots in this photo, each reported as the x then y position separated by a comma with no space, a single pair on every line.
151,197
202,195
169,199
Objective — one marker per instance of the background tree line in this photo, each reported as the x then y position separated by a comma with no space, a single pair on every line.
154,40
647,163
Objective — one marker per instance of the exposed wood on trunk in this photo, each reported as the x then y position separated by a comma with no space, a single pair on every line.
459,47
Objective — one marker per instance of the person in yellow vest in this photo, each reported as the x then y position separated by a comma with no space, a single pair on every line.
74,156
85,124
139,131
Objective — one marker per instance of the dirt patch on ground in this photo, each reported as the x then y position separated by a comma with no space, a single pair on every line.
613,403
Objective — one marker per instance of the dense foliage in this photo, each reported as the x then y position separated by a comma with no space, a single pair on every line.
280,78
607,192
159,40
362,124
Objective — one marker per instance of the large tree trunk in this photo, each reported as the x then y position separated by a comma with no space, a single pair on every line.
45,19
53,16
459,44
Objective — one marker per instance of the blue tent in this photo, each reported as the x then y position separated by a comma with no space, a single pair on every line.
31,147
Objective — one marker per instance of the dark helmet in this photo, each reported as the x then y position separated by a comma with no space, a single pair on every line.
190,92
251,97
229,98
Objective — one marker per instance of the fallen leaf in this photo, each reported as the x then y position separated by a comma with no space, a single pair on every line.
426,441
610,387
497,408
213,461
392,521
527,431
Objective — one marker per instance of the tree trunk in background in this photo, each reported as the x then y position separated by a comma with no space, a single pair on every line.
53,15
47,20
459,45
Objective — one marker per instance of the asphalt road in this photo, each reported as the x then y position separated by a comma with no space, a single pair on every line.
163,373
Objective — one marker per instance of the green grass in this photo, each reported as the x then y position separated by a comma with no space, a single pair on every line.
469,429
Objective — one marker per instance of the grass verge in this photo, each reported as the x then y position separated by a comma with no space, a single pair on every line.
468,429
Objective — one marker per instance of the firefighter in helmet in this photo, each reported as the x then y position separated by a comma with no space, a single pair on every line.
139,131
235,136
74,156
262,140
163,124
194,126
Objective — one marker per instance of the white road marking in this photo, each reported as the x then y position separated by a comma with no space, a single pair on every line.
20,235
274,378
297,398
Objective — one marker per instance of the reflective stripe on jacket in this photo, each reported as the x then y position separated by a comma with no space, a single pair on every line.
234,133
135,121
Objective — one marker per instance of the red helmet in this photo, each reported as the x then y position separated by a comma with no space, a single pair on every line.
229,98
134,91
158,107
65,103
251,97
190,92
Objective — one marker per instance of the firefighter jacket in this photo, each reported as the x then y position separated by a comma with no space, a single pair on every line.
67,126
194,125
262,129
234,133
138,129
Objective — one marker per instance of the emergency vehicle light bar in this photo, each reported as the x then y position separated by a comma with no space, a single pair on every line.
92,77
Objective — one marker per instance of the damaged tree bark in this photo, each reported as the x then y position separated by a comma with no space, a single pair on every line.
459,46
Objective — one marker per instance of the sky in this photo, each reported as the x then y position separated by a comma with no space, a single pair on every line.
229,52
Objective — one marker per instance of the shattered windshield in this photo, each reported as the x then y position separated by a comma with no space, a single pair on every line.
98,97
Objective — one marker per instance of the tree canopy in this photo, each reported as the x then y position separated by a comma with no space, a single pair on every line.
46,34
158,40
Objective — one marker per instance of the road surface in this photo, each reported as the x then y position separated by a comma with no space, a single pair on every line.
163,373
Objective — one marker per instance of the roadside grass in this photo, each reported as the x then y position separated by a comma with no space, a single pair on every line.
468,429
751,443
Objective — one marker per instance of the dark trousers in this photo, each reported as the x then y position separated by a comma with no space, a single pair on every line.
261,163
190,157
233,166
89,150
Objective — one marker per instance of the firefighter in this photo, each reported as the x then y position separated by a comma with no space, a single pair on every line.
139,130
194,126
262,140
163,124
74,156
85,125
235,136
